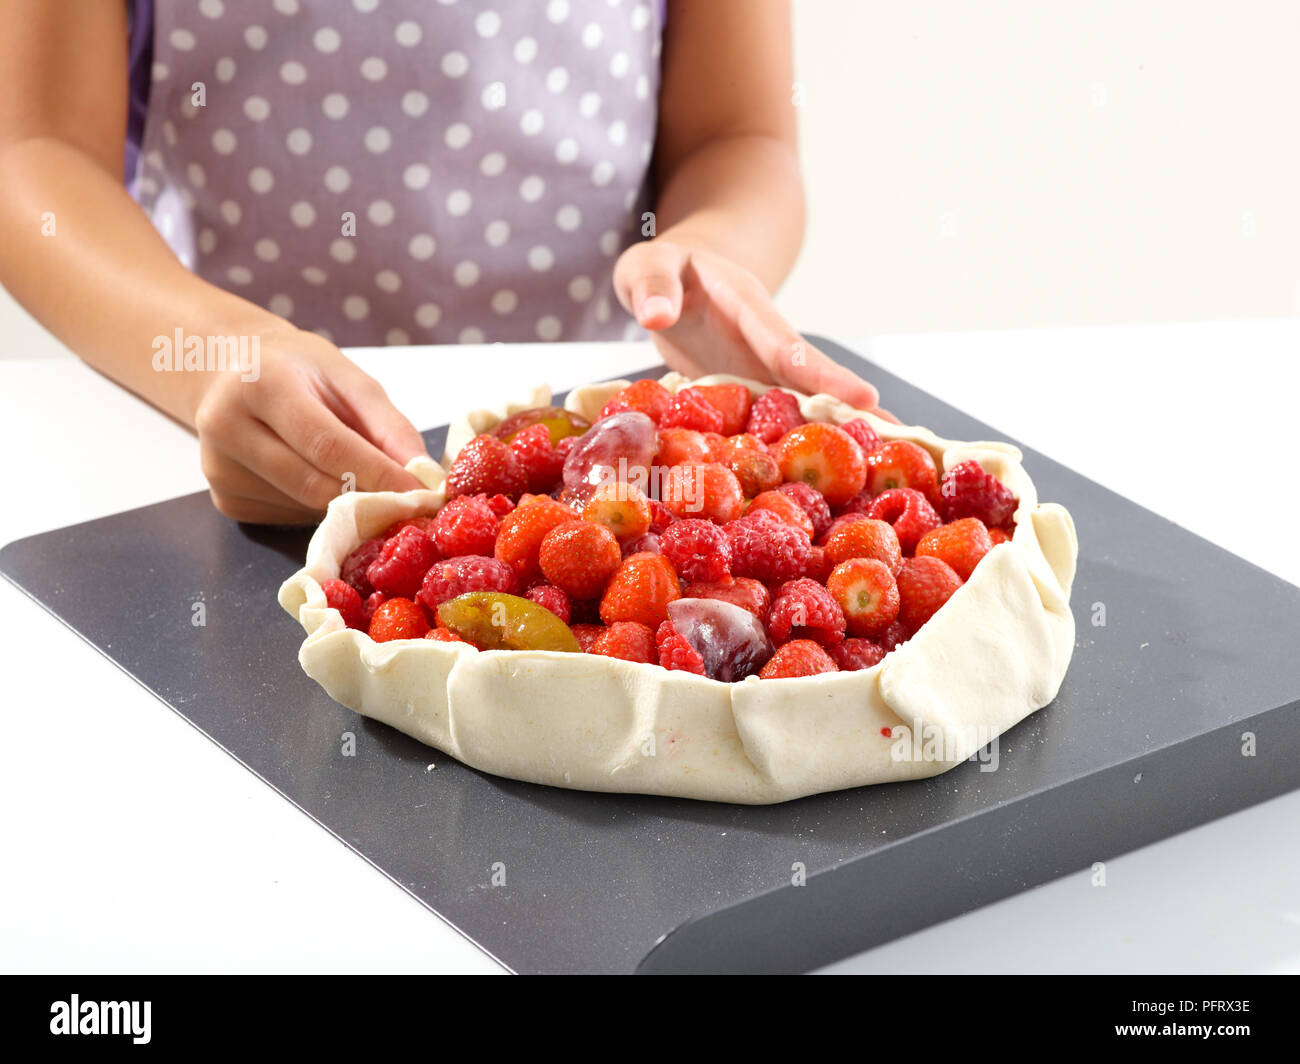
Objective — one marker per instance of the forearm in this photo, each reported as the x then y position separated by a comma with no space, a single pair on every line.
739,196
83,258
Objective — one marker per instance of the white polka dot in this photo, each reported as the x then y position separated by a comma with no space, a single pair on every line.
640,17
642,87
557,10
557,79
421,246
154,158
337,179
488,24
580,289
225,69
471,334
377,140
497,233
194,173
415,103
458,202
207,241
568,217
492,164
541,258
428,315
261,180
396,338
381,212
493,96
416,176
149,187
187,198
257,108
212,8
327,40
454,64
567,150
618,133
549,328
286,7
280,304
188,110
240,275
525,50
335,105
182,39
388,281
314,275
602,173
408,34
620,64
266,249
602,309
355,308
532,188
231,212
457,136
302,214
159,72
609,242
466,273
343,250
629,198
223,142
255,38
374,68
365,6
505,301
293,73
592,35
299,141
589,104
531,122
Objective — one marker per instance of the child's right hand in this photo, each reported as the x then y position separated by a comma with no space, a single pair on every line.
276,449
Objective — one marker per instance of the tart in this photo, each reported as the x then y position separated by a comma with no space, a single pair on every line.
801,598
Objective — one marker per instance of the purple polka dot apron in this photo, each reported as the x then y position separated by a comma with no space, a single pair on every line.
405,171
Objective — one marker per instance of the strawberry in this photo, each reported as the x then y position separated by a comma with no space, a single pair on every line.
908,511
445,635
541,463
485,465
579,557
756,470
640,591
709,491
675,653
520,535
855,654
803,609
402,563
924,585
961,544
743,591
865,537
901,464
868,438
699,550
691,410
786,508
398,618
802,657
466,525
586,635
344,598
773,414
867,593
824,456
968,491
552,598
622,508
998,535
733,401
679,446
648,397
627,640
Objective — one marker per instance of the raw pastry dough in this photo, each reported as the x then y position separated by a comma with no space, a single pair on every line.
996,652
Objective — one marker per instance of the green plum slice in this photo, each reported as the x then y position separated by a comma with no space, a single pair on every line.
493,620
558,421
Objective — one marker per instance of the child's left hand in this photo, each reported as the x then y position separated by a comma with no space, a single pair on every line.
709,315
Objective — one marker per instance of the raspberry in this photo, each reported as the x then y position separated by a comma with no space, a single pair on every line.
620,507
901,464
402,563
859,504
803,609
819,565
855,654
640,591
445,635
466,525
744,592
924,584
579,557
660,516
647,544
961,544
456,576
908,511
500,504
824,456
424,523
675,653
867,593
537,457
895,636
773,414
968,491
690,410
699,550
586,635
733,401
864,537
814,505
553,599
802,657
786,508
710,491
679,446
627,640
353,569
373,601
344,598
867,437
768,550
398,618
649,397
521,533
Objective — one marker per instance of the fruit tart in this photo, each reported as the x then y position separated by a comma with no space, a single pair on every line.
707,588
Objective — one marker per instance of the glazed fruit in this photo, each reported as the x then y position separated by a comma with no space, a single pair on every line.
640,591
646,397
579,557
867,592
698,550
804,609
709,491
730,641
616,448
541,463
677,446
756,471
622,508
627,640
901,464
402,563
961,544
773,414
466,525
691,410
910,513
743,591
519,538
455,576
675,653
824,457
786,508
924,585
552,598
968,491
487,466
344,598
733,401
559,422
853,655
398,618
586,635
767,550
860,536
867,437
814,505
492,620
802,657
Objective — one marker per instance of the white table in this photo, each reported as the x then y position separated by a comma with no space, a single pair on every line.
132,843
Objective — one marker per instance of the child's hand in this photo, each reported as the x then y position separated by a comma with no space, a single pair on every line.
278,448
709,315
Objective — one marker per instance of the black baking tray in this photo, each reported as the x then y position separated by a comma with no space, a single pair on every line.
1194,669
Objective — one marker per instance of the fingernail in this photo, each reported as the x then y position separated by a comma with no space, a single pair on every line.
655,307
